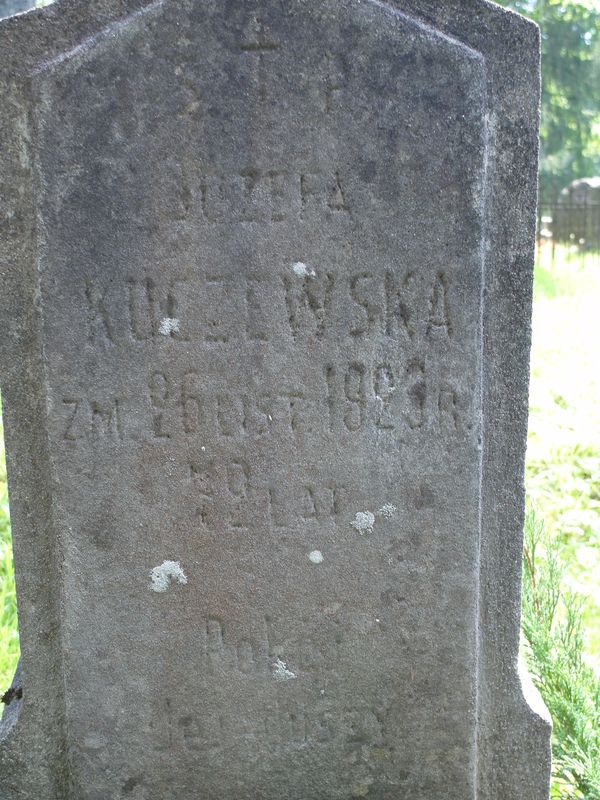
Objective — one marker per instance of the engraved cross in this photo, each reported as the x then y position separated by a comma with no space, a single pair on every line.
260,45
334,80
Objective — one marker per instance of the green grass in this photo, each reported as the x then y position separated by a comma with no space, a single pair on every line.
553,643
561,605
563,455
9,637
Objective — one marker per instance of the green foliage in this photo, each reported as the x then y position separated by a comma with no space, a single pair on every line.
554,646
562,558
9,636
563,455
570,132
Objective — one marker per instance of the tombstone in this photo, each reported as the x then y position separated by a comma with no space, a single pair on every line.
576,215
266,286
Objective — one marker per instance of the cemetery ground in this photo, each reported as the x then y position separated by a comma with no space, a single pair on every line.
561,608
562,563
563,454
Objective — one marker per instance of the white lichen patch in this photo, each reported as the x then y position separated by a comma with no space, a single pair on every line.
316,556
162,575
169,325
388,510
281,671
363,522
302,271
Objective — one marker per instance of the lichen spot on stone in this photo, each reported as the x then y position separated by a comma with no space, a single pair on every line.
161,576
302,271
281,671
169,325
363,522
388,511
316,556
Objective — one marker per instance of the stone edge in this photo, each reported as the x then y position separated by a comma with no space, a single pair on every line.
514,728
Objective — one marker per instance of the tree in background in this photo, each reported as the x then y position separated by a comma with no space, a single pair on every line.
570,132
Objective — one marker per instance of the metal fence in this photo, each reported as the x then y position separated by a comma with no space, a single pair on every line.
570,224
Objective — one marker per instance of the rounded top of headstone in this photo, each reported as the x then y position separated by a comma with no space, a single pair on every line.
581,190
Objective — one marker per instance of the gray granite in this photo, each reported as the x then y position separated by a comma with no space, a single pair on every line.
266,287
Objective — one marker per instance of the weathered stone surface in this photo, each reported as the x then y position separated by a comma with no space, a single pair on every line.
265,326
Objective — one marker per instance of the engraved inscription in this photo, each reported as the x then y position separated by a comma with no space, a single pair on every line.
335,80
230,497
275,195
439,323
149,305
396,305
389,398
100,326
259,45
358,729
92,419
308,303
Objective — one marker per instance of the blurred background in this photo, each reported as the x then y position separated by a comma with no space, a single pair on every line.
561,564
